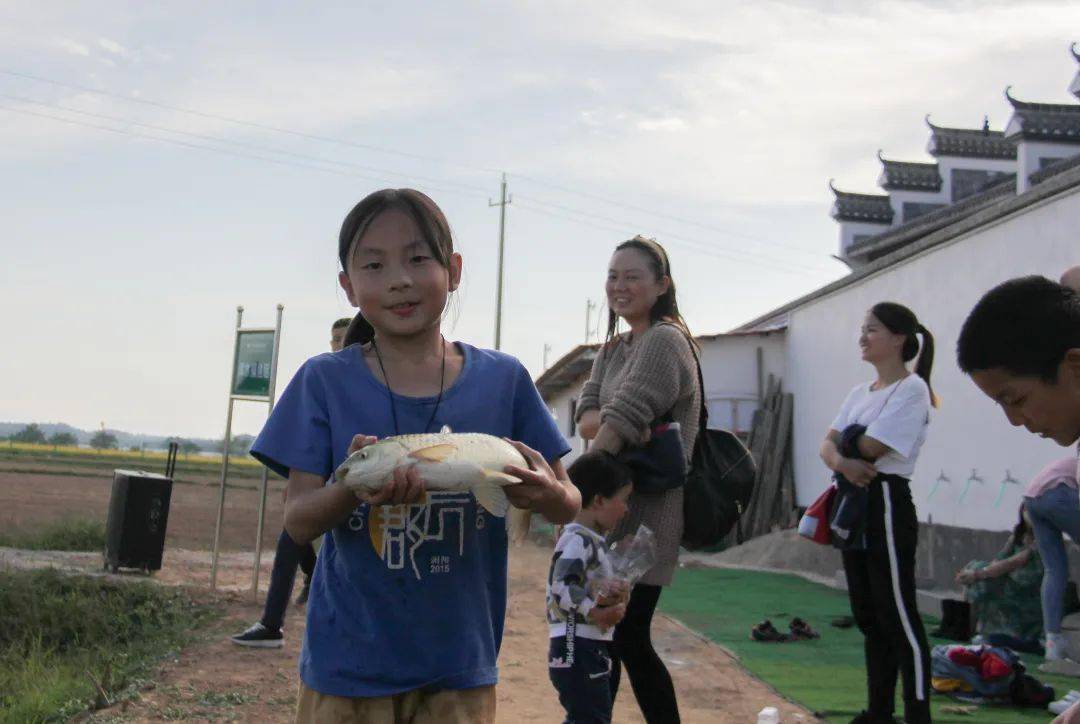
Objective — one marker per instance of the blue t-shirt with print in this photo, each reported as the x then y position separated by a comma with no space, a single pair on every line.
412,596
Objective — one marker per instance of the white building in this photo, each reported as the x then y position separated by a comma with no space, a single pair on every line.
1012,207
973,466
994,205
735,367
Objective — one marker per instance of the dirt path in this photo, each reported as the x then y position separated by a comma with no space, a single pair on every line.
213,680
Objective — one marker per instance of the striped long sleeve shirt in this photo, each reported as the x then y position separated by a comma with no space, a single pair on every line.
579,563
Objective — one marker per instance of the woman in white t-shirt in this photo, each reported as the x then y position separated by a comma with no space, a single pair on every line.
895,411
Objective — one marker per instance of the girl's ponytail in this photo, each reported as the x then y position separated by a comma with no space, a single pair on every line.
926,361
359,331
898,319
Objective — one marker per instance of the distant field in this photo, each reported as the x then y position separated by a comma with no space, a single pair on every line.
41,486
25,457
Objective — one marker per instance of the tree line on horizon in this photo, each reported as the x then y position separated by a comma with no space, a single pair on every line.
104,440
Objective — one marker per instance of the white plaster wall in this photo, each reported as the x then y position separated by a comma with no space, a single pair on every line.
729,368
560,407
948,164
850,229
969,432
897,199
1028,154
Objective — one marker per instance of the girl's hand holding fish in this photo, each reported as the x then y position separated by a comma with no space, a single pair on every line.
406,487
541,490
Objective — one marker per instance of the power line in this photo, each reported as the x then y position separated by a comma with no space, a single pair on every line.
201,147
690,243
641,209
773,265
705,246
240,122
308,166
240,144
405,154
697,246
701,246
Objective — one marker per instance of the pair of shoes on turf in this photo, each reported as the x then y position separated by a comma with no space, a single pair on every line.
260,637
1058,707
799,629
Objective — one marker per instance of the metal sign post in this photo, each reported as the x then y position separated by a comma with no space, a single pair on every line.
265,470
252,377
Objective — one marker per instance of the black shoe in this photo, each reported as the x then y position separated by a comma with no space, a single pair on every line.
259,637
765,631
302,598
801,630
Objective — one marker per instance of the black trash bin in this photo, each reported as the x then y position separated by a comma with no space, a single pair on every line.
138,516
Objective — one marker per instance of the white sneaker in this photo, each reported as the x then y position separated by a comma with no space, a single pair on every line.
1060,707
1057,647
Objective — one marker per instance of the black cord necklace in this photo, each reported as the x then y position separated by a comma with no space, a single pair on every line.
390,391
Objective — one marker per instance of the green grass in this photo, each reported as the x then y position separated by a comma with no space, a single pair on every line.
826,676
62,535
69,643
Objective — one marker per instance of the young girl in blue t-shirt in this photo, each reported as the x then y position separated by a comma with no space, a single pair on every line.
406,610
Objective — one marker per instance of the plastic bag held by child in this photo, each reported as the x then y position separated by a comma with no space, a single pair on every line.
630,558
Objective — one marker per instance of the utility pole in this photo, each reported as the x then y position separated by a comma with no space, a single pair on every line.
547,350
502,244
589,306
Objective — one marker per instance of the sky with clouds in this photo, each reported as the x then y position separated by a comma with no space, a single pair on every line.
162,163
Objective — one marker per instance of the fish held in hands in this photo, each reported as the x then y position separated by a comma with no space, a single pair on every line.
445,460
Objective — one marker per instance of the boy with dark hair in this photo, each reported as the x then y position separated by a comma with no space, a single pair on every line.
581,615
337,334
1021,347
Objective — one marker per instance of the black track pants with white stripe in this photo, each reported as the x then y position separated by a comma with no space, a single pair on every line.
881,586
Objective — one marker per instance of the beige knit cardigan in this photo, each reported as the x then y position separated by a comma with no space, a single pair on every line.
634,382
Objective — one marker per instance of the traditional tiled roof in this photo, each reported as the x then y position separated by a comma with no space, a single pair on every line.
908,175
969,142
1003,202
1056,122
871,208
898,236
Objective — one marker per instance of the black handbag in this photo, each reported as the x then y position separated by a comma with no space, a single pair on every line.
719,483
660,464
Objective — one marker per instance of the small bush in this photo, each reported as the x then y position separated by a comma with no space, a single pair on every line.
70,643
63,535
